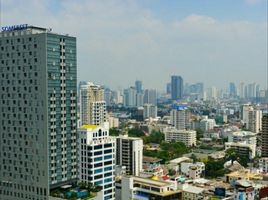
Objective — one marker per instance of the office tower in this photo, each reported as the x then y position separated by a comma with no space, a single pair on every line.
241,90
108,96
130,97
232,90
149,111
180,117
117,97
264,135
129,154
244,110
96,163
139,99
93,106
254,120
211,93
176,87
168,88
251,90
150,97
138,86
38,112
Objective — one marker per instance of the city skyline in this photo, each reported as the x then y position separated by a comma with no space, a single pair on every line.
139,38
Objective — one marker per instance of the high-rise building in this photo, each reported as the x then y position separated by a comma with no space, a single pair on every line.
138,86
108,96
150,97
180,117
130,97
168,88
232,90
92,106
97,158
38,112
176,87
241,90
129,154
149,111
244,113
139,99
254,120
264,135
211,93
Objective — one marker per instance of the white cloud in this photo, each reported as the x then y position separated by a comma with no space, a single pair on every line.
119,41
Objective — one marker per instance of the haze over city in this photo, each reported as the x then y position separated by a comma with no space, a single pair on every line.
215,42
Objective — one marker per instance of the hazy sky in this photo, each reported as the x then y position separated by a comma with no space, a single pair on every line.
119,41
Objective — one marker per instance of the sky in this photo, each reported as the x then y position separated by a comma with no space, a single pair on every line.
120,41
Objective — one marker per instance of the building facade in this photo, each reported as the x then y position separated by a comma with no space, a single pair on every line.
92,104
176,87
188,137
264,136
180,117
129,153
38,112
149,111
96,162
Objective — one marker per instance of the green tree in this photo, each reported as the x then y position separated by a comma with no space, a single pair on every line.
193,157
199,133
135,132
114,132
154,137
214,168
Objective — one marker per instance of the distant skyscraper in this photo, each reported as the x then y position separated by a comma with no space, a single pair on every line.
130,97
139,99
232,90
168,89
251,90
38,113
129,154
97,158
176,87
150,97
241,90
108,96
180,117
264,135
138,86
92,106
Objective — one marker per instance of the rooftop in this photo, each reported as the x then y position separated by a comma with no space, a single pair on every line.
179,160
89,126
151,159
193,189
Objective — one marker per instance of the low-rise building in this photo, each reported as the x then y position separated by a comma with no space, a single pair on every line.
243,149
244,174
188,137
192,170
190,192
207,124
137,188
243,191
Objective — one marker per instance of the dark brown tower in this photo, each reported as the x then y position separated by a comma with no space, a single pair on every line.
264,135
